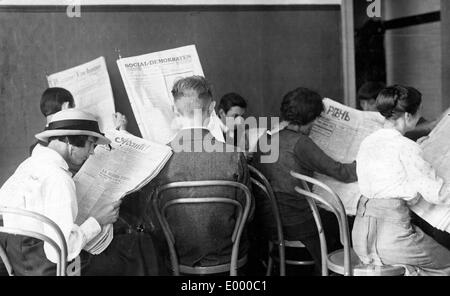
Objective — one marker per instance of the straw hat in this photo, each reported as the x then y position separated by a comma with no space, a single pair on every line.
73,122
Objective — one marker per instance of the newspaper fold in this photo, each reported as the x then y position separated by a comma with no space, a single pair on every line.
111,173
91,88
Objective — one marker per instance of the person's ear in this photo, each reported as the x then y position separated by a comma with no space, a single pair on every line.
212,106
175,110
69,149
65,106
222,113
408,117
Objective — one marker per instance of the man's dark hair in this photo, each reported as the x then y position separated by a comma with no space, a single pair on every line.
78,141
53,98
370,90
231,100
301,106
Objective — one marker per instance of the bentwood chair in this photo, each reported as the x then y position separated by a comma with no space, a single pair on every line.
60,246
261,183
161,205
344,262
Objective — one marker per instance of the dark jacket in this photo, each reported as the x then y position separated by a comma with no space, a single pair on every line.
202,232
298,153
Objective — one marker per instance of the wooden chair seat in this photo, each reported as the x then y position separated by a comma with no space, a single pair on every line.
216,269
336,264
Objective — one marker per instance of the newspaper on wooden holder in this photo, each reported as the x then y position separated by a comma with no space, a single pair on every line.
91,89
113,172
149,79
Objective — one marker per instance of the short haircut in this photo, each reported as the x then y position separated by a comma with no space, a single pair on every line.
197,88
231,100
78,141
370,90
396,100
53,98
301,106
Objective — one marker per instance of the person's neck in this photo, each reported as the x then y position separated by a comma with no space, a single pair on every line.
297,128
60,148
190,123
395,125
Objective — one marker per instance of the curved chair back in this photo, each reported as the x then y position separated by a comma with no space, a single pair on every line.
60,247
335,205
160,207
261,182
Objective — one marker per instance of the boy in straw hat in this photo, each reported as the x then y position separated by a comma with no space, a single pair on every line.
43,184
55,99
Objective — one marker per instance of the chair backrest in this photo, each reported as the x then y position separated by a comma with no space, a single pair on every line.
334,204
60,247
160,207
261,182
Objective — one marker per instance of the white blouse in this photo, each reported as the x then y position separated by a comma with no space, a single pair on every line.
392,166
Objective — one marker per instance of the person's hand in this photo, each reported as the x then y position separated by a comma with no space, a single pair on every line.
120,121
423,139
107,214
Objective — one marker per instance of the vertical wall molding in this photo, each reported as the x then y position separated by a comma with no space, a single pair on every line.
445,33
348,51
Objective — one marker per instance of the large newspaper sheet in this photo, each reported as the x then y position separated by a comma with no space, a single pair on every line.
113,172
339,132
148,80
437,152
90,86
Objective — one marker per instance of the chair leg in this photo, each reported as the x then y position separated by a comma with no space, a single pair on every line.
269,260
269,266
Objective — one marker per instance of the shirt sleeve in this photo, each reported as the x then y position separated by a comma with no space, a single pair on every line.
422,176
313,158
61,207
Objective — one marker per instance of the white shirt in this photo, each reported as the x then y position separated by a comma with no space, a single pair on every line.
43,184
392,166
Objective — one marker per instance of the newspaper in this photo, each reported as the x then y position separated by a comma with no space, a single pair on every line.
339,132
90,86
148,80
113,172
437,152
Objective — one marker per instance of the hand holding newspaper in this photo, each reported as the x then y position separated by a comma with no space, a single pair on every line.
112,173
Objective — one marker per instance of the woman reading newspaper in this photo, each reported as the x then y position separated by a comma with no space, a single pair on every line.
43,184
297,152
392,175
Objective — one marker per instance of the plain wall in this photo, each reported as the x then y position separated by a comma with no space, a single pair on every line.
445,30
258,52
413,54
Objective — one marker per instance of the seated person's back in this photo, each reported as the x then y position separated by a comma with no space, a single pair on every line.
202,231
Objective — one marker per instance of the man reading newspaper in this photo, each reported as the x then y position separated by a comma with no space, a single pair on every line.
43,184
